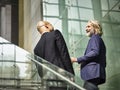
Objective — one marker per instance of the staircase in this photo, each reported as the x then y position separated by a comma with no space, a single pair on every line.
19,71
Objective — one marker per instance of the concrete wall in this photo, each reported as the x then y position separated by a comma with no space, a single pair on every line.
30,13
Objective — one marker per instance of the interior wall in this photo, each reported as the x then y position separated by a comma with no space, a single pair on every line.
21,23
29,14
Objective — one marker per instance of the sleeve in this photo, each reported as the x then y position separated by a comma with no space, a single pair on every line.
94,49
61,45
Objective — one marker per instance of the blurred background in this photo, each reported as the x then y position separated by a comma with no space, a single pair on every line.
18,19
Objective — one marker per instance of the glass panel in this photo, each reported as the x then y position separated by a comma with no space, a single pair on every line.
86,14
20,55
29,70
51,1
104,14
1,54
114,17
74,27
83,25
85,3
113,3
71,2
73,13
54,75
104,4
51,10
8,51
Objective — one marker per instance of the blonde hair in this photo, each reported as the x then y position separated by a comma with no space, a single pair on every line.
43,23
96,25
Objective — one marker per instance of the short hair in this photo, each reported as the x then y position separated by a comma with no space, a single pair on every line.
44,24
96,25
39,25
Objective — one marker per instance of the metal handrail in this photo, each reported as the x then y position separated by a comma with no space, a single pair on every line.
56,73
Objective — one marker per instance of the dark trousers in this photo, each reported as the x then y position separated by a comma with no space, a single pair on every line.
90,86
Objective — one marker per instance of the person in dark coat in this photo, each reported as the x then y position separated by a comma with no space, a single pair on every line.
93,63
52,47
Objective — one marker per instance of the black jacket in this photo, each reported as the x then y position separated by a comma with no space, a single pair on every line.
52,47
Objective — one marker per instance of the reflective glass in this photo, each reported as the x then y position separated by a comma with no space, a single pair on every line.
85,3
74,27
51,1
71,2
51,10
28,69
86,14
104,4
73,13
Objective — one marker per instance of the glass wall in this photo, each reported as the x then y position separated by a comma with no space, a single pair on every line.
71,16
16,70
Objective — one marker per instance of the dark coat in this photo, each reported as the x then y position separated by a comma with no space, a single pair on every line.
52,47
93,62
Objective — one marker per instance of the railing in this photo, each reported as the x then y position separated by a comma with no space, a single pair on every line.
20,69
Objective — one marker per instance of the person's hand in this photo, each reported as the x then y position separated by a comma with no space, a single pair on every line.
73,59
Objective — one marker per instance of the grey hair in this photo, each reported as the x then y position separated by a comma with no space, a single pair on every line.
96,25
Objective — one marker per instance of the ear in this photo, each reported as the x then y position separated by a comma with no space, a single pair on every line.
46,26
